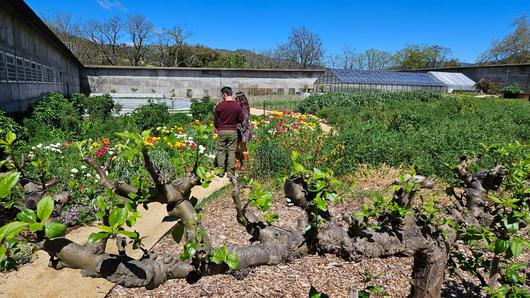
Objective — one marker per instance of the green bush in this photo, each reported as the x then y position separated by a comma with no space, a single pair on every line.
97,107
511,91
9,124
150,115
202,109
426,135
53,112
270,159
153,115
317,102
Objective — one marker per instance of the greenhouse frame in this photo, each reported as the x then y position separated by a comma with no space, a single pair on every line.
354,80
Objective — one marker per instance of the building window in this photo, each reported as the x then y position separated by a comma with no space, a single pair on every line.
11,68
20,70
3,68
39,73
28,70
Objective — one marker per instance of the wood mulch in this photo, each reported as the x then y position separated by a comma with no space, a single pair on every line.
328,274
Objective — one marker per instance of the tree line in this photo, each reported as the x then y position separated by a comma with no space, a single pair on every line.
135,41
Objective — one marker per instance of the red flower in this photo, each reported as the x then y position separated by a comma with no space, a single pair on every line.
101,151
193,145
81,187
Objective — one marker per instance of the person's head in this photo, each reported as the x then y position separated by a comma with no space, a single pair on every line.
242,99
226,92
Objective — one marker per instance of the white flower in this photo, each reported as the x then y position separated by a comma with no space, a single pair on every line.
97,176
96,180
210,156
88,175
111,152
202,149
83,167
74,170
33,148
39,146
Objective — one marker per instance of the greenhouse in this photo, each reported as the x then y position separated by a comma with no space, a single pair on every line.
455,81
353,80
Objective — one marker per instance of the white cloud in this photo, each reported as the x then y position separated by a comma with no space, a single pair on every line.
111,4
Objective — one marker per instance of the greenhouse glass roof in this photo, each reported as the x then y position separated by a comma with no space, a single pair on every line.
354,76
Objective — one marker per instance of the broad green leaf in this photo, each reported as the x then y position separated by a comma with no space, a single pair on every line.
7,183
331,196
321,203
10,137
129,234
516,246
190,248
177,232
102,204
27,215
11,229
3,251
36,226
219,255
94,237
201,173
232,261
117,217
271,217
45,208
298,167
54,229
105,228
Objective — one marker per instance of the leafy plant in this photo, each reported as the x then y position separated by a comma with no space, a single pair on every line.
488,87
202,109
511,91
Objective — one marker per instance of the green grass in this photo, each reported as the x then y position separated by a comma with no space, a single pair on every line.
427,135
286,103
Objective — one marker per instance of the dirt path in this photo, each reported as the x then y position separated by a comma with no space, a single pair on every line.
38,280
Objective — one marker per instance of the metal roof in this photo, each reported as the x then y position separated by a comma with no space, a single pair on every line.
355,76
454,80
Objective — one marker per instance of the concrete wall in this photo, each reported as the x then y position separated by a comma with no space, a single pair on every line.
98,79
514,74
32,62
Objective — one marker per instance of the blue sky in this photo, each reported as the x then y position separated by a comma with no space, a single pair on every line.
467,27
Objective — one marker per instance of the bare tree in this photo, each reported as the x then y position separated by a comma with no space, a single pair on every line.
162,45
106,37
513,48
376,59
177,36
303,48
140,30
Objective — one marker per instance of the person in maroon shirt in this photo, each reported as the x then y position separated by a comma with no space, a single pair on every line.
228,114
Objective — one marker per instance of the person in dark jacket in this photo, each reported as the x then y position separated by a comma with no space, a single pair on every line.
227,117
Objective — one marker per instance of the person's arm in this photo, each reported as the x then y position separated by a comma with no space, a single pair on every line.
216,115
240,117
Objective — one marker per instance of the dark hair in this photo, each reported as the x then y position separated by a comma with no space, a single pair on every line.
242,99
226,90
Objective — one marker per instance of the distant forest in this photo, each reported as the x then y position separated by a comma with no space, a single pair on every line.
135,41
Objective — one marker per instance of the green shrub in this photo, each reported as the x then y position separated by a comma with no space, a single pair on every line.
97,107
317,102
488,87
202,109
426,135
511,91
270,159
9,124
153,115
53,112
150,115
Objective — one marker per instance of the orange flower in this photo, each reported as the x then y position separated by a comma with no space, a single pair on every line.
105,141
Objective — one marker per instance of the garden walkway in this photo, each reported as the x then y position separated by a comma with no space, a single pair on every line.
39,280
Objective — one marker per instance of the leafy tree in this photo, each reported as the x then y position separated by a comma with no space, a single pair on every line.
417,56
